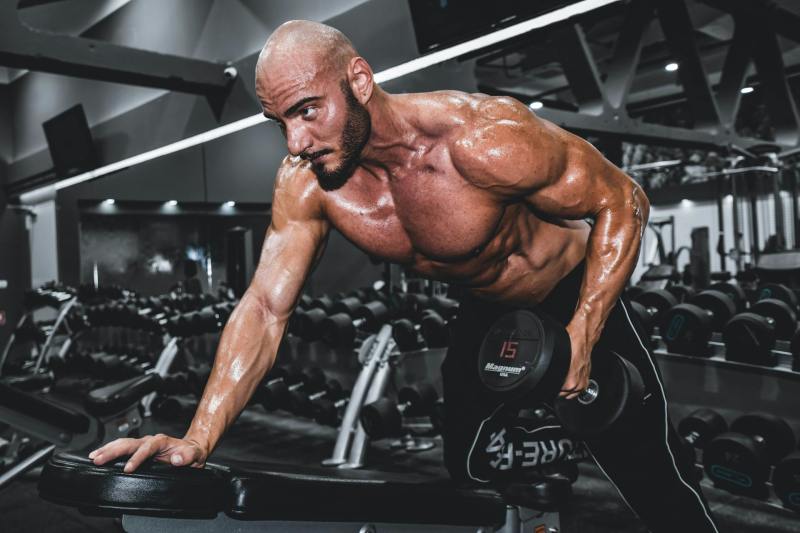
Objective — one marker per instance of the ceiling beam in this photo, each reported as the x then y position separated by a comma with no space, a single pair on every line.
28,48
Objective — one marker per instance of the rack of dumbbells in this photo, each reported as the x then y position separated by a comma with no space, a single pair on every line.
733,346
107,360
381,331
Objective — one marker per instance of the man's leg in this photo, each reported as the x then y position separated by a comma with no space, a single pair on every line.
642,457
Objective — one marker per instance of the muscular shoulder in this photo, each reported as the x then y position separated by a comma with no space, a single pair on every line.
502,144
297,193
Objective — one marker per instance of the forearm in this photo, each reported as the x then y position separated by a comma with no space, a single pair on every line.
246,352
612,251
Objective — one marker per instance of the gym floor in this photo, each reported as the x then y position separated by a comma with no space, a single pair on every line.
595,506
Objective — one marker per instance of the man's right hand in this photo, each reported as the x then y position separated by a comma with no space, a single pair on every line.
177,452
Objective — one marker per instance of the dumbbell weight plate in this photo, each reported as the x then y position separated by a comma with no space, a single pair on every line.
720,305
780,292
405,335
374,313
619,392
779,439
786,481
784,316
338,330
658,299
309,324
705,423
734,291
347,306
681,292
749,338
735,463
686,329
524,356
645,318
420,397
740,463
434,329
381,419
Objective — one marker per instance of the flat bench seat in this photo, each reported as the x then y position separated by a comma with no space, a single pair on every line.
275,492
290,493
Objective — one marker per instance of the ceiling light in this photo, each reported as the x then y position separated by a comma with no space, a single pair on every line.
746,90
229,203
536,105
171,203
671,67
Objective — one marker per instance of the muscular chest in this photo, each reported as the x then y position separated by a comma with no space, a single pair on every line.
421,211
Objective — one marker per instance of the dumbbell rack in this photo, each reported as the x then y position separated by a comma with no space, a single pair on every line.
162,366
375,354
42,351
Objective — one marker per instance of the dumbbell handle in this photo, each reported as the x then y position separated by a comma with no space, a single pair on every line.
692,437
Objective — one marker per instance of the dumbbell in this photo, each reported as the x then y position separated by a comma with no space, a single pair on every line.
779,303
681,292
329,412
323,302
432,328
302,402
524,359
341,329
384,417
686,328
649,305
739,461
697,430
304,302
734,291
275,393
406,335
778,291
750,338
786,481
307,324
446,307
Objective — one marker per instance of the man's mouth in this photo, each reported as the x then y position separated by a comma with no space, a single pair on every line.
317,157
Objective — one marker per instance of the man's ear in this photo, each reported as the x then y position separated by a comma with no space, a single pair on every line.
361,80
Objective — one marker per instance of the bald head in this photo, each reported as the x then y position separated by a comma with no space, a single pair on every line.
307,44
313,84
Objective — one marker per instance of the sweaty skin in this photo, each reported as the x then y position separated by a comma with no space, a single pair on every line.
465,188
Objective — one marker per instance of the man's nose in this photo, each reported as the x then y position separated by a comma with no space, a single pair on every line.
298,141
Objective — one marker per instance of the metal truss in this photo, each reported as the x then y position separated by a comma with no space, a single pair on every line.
601,93
28,48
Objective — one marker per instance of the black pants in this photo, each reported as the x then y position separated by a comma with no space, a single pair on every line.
485,441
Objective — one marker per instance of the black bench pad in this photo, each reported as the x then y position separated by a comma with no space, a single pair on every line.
255,491
291,493
154,489
44,409
117,397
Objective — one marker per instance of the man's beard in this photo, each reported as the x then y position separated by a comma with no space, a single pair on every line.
355,135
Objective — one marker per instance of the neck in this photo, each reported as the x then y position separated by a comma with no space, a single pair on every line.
391,137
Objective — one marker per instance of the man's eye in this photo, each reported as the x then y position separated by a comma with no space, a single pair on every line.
308,112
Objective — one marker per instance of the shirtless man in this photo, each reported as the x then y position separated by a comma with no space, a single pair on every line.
465,188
